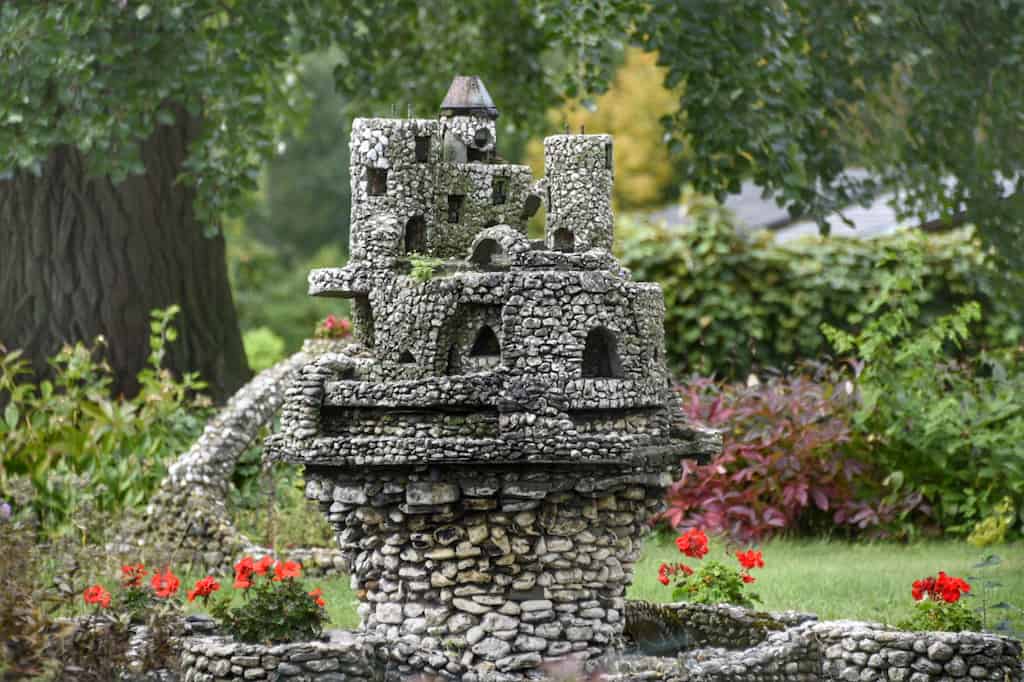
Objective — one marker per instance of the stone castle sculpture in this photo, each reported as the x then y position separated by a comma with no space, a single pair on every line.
492,447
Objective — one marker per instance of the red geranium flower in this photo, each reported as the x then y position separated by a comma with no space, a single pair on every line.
663,574
243,573
204,587
97,594
946,587
747,578
131,576
317,596
164,584
693,543
263,565
750,559
287,569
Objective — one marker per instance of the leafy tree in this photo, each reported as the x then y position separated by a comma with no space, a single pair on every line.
128,129
926,95
631,110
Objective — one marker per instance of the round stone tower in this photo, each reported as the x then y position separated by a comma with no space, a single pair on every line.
579,176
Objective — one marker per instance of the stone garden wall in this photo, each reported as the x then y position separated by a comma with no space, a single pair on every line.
343,657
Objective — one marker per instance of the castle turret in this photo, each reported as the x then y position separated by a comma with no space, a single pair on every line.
578,169
468,118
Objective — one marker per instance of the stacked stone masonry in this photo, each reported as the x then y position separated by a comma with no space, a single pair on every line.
492,446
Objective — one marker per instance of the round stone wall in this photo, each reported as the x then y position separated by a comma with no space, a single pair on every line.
489,571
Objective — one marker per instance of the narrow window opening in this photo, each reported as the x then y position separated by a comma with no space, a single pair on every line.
549,198
601,355
486,343
530,207
455,207
608,156
563,240
499,191
376,181
406,358
453,363
422,148
474,155
362,314
416,235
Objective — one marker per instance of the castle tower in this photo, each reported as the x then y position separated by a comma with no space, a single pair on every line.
578,170
468,118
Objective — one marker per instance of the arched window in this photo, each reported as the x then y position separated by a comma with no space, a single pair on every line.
601,355
416,235
406,358
453,364
563,240
486,251
486,343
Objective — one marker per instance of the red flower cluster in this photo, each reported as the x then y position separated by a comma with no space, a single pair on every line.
750,559
693,543
246,568
334,327
945,587
164,584
132,575
665,570
204,587
98,595
317,596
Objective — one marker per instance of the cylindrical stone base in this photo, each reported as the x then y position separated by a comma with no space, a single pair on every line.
489,572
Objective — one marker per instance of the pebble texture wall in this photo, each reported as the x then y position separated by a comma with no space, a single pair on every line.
492,447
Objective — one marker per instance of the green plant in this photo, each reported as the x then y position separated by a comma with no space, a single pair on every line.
993,528
1004,625
713,582
276,606
424,267
939,607
951,430
263,347
74,441
733,305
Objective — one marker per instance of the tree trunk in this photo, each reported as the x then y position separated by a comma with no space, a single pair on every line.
81,256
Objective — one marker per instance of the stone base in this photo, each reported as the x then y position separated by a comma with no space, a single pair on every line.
467,573
341,657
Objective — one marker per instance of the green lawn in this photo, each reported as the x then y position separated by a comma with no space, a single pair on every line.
863,581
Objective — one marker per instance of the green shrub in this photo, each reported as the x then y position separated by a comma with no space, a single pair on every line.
263,348
74,441
733,304
951,430
271,291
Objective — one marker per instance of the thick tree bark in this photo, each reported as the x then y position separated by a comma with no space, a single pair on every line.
81,256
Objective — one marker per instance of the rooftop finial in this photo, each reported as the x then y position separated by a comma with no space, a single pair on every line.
467,95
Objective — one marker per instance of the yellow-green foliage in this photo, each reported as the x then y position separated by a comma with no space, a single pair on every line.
993,528
631,110
263,348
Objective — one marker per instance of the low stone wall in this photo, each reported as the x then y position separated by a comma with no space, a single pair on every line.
343,657
867,652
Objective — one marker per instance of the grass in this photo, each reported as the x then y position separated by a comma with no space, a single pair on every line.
833,579
861,581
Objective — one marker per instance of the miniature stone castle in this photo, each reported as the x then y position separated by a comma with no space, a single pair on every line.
492,447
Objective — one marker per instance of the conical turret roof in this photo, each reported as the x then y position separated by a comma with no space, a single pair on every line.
468,95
